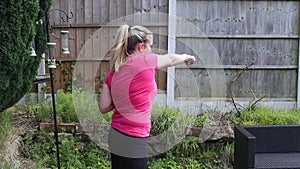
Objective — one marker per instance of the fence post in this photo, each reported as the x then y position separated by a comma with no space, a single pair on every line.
298,75
171,49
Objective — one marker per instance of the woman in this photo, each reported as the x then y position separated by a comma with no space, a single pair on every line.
130,89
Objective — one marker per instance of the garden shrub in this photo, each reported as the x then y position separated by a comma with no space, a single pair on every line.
17,32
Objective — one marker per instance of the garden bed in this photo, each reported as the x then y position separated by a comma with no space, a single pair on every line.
38,144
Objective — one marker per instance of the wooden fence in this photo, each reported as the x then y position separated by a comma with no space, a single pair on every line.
259,39
256,44
92,30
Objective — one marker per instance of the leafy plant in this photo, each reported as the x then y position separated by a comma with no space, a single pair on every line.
65,107
171,119
203,118
74,153
264,115
67,71
40,112
187,148
164,163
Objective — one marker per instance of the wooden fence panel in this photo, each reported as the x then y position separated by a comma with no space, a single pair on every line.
263,34
258,83
92,32
223,18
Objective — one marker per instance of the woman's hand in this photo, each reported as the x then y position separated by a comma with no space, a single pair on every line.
189,61
174,59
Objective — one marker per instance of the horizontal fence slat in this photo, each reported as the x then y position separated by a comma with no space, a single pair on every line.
240,36
262,67
82,59
91,25
236,99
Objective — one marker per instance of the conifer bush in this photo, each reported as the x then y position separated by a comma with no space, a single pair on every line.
18,29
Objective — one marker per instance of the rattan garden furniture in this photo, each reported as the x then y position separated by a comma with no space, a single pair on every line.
267,146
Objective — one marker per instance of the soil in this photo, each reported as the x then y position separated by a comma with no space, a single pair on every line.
23,123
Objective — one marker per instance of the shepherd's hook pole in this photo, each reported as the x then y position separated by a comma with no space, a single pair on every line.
55,121
48,31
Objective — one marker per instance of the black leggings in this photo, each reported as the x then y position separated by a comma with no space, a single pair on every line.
127,152
119,162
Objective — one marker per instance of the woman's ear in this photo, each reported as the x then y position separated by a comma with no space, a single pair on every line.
140,46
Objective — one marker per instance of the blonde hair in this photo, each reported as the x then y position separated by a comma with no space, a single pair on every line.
127,39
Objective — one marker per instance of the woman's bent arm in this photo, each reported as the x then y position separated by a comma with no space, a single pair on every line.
105,101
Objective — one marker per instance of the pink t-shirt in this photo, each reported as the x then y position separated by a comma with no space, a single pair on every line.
133,89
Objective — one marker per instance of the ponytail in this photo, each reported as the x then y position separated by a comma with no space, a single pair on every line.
126,41
119,51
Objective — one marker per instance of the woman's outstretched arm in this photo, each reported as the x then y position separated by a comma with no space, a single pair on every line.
174,59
